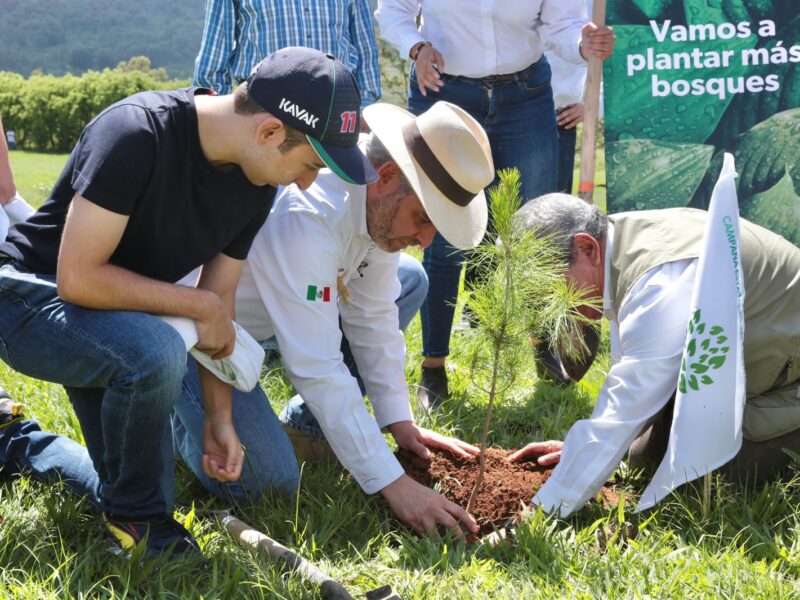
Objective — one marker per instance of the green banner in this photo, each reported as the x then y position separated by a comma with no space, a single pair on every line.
692,79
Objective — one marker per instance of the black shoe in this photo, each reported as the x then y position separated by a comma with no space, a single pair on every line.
432,390
563,371
577,367
548,365
161,534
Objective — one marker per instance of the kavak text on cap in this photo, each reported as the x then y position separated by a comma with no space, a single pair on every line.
316,94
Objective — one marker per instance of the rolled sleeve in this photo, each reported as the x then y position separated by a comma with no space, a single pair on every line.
397,20
560,29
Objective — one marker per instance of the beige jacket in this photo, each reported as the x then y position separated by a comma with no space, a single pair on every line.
771,267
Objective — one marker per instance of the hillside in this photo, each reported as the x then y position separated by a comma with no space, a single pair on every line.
60,36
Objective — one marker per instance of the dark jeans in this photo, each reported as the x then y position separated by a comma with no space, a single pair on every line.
566,158
519,118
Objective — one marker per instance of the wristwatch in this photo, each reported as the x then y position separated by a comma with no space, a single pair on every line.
414,52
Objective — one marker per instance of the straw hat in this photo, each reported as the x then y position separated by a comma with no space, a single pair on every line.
445,155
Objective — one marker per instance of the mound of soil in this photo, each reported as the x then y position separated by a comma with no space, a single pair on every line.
506,486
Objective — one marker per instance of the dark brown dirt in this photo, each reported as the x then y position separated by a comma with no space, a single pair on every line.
506,486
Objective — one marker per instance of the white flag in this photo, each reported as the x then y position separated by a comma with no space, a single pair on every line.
709,403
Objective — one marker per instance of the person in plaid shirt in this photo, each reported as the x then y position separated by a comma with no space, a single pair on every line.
237,35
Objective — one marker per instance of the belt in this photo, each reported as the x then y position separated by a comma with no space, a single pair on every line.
489,79
494,79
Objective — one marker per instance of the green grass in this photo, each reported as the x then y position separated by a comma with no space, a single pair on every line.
748,546
35,173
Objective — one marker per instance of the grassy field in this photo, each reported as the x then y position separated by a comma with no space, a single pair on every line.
747,546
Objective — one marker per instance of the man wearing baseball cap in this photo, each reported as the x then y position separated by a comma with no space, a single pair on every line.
158,184
323,269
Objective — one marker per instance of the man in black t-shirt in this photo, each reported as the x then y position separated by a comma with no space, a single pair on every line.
159,184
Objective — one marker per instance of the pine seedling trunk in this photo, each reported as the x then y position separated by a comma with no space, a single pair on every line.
505,200
521,293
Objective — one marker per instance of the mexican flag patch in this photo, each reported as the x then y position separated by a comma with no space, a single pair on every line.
314,293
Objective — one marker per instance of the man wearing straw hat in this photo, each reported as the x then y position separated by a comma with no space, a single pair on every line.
324,267
642,269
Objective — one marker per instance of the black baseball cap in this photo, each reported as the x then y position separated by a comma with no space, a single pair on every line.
317,95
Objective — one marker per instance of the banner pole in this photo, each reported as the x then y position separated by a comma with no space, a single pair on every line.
591,101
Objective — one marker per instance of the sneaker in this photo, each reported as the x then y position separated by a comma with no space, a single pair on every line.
309,448
10,412
432,390
161,534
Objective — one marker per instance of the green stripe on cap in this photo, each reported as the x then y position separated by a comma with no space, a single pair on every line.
333,95
326,158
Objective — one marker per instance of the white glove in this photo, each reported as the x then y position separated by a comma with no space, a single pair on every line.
18,210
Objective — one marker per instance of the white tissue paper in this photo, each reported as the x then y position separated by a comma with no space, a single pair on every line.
241,369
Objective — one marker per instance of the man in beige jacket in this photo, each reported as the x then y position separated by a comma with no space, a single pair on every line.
640,267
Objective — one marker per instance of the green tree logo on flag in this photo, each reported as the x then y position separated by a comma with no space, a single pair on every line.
705,352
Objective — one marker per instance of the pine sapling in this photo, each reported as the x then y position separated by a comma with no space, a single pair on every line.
521,295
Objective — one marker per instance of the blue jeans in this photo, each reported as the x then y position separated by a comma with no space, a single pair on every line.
519,119
25,448
566,158
268,454
122,372
269,457
413,289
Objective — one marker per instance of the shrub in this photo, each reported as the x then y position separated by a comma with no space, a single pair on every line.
49,113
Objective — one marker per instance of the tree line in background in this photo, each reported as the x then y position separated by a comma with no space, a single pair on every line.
49,112
73,36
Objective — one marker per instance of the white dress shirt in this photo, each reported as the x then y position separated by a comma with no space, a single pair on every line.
485,37
310,239
568,78
648,334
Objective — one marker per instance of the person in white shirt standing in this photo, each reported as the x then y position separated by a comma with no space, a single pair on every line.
641,266
325,266
486,57
568,82
14,208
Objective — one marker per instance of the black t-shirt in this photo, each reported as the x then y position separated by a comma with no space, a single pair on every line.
142,157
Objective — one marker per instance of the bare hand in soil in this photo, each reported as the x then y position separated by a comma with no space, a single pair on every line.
424,510
417,439
545,453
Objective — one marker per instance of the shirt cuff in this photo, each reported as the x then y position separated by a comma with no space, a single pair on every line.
408,44
392,410
553,497
379,471
576,57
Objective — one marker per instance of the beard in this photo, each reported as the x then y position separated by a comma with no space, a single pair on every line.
381,214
